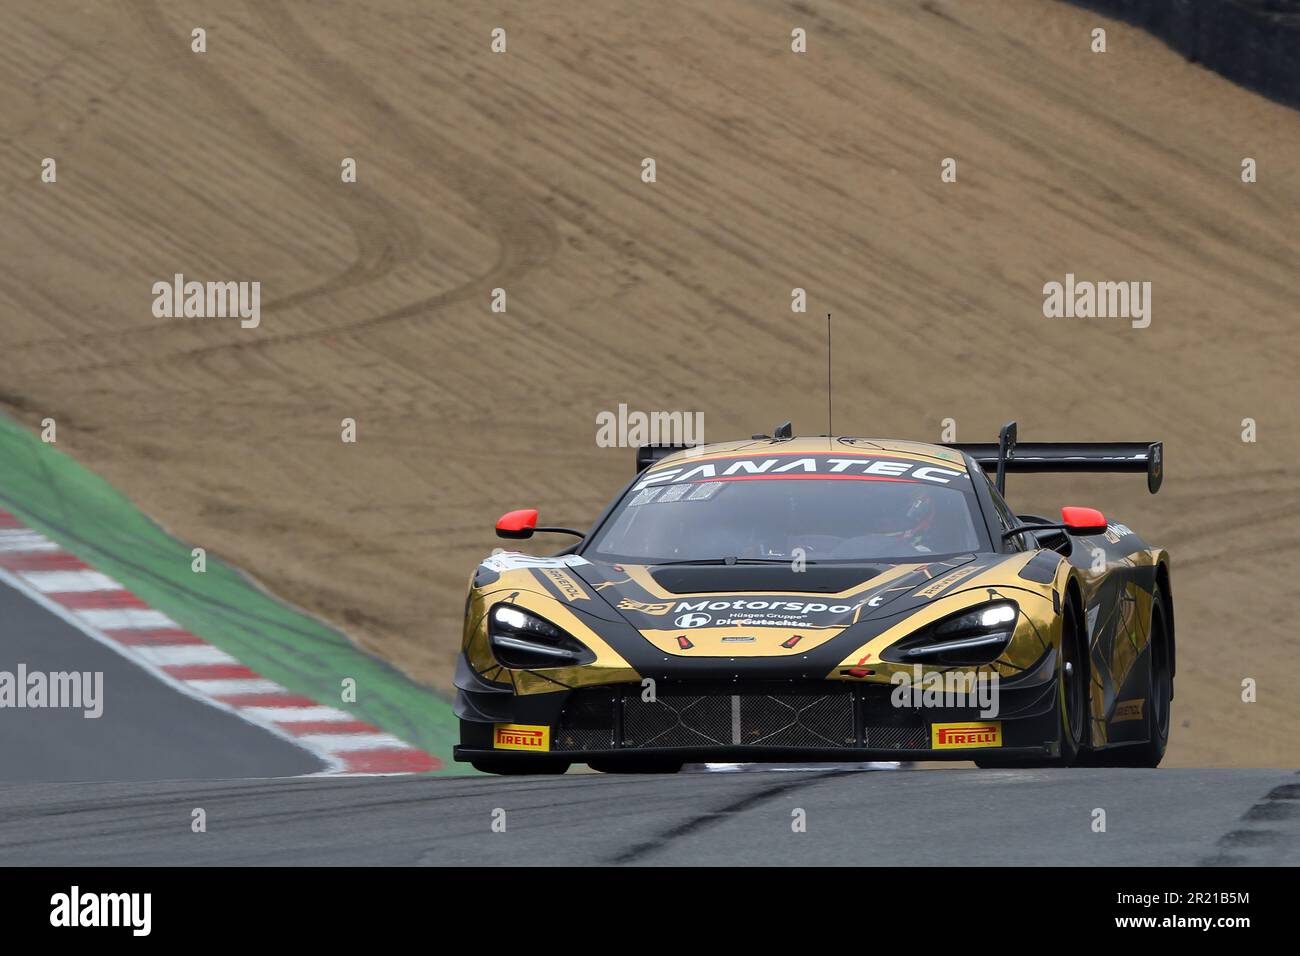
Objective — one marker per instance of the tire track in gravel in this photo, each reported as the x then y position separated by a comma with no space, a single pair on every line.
524,230
385,233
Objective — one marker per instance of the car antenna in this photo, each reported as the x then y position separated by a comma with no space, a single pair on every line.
830,429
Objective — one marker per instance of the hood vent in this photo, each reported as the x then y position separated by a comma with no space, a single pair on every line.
763,578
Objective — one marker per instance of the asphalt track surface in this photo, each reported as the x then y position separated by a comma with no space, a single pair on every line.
927,817
163,755
147,731
883,818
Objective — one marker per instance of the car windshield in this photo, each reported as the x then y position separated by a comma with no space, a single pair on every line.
819,508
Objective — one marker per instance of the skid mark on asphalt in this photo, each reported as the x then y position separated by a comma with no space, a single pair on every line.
638,852
1270,831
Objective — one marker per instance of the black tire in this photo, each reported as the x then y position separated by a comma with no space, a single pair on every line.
512,768
1072,680
1074,688
646,765
1160,693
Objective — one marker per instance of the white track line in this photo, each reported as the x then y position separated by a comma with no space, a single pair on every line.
346,743
21,539
300,715
166,655
52,582
122,618
236,686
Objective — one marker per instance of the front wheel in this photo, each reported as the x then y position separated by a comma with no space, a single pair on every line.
1074,688
1072,679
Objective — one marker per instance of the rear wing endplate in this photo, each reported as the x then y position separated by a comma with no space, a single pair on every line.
647,455
1007,455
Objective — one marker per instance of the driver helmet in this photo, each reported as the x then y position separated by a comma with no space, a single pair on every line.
920,514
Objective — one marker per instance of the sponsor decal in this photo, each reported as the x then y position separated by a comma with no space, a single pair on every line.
812,466
1128,710
760,611
521,737
692,620
565,584
680,492
1116,531
983,733
753,610
515,560
939,585
627,604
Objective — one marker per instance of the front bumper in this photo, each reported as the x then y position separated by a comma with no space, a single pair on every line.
757,722
467,754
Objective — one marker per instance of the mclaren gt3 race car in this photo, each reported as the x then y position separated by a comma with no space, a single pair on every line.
824,599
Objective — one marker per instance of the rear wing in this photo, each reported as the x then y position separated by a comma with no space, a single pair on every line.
1008,455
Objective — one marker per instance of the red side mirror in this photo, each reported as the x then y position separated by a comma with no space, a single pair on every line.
517,524
1083,521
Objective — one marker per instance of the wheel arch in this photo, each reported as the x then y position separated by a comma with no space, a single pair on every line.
1166,591
1074,594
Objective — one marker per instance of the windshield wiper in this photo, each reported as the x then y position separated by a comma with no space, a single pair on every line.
728,561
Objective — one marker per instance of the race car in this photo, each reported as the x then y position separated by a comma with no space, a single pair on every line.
784,599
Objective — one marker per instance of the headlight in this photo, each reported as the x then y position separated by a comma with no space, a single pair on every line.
972,638
520,638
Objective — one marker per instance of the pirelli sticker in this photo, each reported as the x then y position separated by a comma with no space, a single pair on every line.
982,733
521,737
569,589
1128,710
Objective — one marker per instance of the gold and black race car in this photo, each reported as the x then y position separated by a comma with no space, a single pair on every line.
822,599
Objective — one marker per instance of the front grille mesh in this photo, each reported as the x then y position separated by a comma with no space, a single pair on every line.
786,716
742,720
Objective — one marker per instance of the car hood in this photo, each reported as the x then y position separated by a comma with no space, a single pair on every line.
682,621
744,609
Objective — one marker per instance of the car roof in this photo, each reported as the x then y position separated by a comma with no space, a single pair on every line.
885,447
